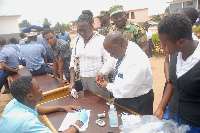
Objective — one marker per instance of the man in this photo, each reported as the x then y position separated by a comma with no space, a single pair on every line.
22,40
35,56
104,18
60,52
41,40
130,30
132,76
64,36
9,63
13,44
20,114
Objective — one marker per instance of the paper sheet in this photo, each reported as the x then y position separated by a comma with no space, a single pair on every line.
71,118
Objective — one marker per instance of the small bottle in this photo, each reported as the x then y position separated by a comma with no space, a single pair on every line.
113,116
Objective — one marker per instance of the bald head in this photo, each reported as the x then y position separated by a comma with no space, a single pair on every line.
2,41
115,43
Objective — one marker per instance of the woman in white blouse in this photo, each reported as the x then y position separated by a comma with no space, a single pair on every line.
92,55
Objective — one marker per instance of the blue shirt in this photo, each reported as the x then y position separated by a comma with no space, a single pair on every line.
41,40
22,42
19,118
33,54
66,36
14,46
9,56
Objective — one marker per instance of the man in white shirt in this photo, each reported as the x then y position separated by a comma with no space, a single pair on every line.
132,80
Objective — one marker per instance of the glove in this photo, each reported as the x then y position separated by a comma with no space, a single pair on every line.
82,116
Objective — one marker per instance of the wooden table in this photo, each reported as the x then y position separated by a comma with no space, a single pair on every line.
52,87
90,101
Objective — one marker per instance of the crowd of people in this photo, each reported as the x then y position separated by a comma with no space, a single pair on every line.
120,49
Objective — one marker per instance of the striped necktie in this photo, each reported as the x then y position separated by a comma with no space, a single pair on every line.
116,69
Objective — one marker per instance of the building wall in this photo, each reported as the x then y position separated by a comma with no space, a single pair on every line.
96,23
9,25
140,16
177,5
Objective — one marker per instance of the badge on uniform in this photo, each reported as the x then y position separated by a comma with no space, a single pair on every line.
120,75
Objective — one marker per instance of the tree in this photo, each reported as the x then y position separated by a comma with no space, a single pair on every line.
24,23
167,10
58,26
66,27
157,18
46,22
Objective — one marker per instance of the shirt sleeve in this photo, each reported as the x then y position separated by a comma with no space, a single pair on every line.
3,57
141,36
108,66
65,51
43,51
35,126
128,83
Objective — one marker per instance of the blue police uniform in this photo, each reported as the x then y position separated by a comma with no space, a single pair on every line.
10,57
65,37
33,54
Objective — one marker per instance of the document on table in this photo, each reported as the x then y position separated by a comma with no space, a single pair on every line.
71,118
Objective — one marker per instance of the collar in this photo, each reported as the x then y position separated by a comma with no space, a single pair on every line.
25,107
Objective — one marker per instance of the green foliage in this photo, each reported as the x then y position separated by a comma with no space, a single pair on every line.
157,45
46,22
157,18
58,26
196,31
66,27
167,10
24,23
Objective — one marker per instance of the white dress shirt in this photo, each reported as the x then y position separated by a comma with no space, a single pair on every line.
91,56
134,77
149,34
183,66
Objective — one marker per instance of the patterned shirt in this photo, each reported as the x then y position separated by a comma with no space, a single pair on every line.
132,32
61,50
19,118
105,30
91,56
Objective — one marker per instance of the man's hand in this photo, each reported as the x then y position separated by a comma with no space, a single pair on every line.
64,81
103,85
99,78
159,113
71,86
16,69
72,108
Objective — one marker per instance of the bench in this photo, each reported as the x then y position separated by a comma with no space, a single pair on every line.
52,87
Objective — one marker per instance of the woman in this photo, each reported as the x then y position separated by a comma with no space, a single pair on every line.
182,92
89,48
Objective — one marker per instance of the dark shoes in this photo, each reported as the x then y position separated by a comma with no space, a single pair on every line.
7,90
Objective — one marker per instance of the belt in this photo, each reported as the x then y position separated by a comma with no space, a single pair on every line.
36,68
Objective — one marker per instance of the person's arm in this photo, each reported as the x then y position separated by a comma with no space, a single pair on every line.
3,64
165,99
61,65
55,66
69,39
144,46
42,110
45,58
166,68
72,79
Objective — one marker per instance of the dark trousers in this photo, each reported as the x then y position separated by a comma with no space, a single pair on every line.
142,105
44,69
3,77
150,48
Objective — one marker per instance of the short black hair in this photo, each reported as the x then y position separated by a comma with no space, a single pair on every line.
2,41
47,31
13,40
22,35
86,16
175,26
146,23
191,13
21,87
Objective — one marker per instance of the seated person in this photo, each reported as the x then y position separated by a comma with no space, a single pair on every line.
20,115
35,56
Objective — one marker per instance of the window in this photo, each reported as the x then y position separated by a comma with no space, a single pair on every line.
189,3
132,15
127,15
